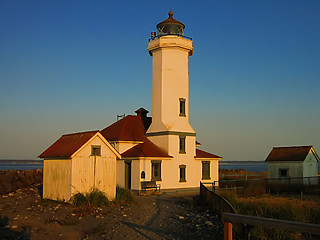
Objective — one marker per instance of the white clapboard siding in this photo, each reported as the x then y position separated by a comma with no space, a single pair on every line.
83,166
56,179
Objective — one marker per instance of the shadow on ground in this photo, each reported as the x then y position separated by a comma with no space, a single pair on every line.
9,233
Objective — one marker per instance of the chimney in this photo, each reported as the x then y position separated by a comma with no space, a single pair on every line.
141,112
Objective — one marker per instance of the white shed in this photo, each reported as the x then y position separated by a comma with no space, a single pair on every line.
79,162
294,162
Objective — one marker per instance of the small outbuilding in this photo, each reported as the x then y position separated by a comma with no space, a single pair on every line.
79,162
294,162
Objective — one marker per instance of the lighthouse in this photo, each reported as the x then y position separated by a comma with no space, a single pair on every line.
145,152
170,50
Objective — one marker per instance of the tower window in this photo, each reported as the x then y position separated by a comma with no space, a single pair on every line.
182,107
95,150
182,144
156,170
182,169
205,170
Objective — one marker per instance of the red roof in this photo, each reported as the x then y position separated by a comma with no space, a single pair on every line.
129,128
203,154
145,149
67,145
297,153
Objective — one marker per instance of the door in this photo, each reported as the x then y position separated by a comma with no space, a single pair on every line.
127,175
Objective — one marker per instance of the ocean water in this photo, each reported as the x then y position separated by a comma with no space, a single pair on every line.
253,166
19,166
250,166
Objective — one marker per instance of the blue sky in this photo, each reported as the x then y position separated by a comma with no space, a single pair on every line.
70,66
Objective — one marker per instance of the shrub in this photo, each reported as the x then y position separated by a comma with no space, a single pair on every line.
79,199
123,196
97,198
94,198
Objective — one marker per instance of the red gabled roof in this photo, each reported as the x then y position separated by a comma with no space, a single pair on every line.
145,149
203,154
297,153
129,128
67,145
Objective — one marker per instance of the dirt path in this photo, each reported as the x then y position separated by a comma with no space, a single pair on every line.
176,218
24,215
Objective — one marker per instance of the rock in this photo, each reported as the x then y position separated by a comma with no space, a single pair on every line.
29,176
209,223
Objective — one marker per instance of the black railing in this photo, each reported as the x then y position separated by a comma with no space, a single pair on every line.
214,201
248,187
169,34
230,218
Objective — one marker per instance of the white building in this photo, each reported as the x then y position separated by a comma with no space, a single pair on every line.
163,148
294,162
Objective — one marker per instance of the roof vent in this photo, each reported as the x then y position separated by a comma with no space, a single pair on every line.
119,117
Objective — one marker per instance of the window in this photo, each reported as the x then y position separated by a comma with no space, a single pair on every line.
182,169
156,170
283,172
182,144
205,170
96,150
182,107
143,175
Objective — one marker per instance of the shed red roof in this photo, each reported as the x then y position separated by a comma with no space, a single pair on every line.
129,128
67,145
145,149
297,153
203,154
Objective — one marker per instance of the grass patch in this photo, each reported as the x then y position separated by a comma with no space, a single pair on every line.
278,208
124,196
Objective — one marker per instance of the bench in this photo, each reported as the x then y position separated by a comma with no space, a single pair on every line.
149,184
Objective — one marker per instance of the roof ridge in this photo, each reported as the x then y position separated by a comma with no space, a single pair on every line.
69,134
295,146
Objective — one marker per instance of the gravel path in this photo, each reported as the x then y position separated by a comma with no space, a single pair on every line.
24,215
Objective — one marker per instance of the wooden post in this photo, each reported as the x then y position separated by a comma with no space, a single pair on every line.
289,186
227,230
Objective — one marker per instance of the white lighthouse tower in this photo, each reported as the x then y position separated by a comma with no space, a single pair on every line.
170,128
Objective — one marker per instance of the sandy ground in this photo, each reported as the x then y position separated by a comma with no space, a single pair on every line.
24,215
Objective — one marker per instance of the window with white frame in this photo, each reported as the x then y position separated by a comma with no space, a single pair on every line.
182,169
182,144
182,107
205,170
156,170
283,172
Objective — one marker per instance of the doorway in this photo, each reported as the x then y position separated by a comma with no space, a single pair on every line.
127,175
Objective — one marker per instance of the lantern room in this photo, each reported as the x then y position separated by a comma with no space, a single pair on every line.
170,26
